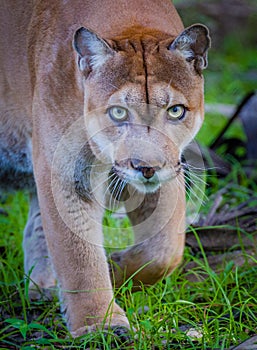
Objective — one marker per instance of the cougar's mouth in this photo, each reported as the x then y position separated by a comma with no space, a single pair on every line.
145,178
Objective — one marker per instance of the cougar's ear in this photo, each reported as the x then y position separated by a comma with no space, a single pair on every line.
92,50
193,43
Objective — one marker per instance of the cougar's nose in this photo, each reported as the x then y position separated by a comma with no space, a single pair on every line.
146,170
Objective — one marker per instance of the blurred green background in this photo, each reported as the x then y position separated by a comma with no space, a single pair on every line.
232,70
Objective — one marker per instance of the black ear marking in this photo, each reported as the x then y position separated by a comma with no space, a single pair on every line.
193,43
92,50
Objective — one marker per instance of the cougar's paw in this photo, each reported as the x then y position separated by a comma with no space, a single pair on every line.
42,281
37,293
117,335
118,326
42,284
123,335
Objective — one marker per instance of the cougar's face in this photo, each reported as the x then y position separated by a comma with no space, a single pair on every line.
141,111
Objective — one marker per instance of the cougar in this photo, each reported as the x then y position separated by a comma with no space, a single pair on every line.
98,101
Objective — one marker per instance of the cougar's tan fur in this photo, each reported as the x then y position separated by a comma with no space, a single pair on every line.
64,59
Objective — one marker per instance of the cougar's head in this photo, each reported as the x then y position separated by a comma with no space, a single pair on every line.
143,100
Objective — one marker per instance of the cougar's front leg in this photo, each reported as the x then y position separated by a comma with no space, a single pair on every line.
77,253
37,262
159,227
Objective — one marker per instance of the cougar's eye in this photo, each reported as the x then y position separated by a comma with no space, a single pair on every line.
118,113
176,112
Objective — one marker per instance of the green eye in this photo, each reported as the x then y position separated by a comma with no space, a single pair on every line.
118,113
176,112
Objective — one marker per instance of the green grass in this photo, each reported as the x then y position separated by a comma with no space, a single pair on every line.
215,312
196,309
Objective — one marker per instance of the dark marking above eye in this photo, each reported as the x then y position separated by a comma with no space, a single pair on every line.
132,44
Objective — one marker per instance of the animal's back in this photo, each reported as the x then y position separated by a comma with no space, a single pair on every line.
110,18
15,96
